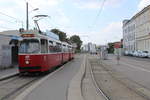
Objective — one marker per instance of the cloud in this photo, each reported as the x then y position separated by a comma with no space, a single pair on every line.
58,20
89,4
143,3
95,4
49,3
62,19
112,32
17,9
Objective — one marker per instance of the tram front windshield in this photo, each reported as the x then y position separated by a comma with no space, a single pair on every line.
29,46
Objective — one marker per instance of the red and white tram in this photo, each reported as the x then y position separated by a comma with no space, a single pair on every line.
40,53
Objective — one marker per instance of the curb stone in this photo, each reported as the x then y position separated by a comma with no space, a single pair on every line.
74,90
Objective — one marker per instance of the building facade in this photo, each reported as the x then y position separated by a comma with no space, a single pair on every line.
136,31
90,47
8,48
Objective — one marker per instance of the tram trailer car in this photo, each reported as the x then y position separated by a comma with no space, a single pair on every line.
39,53
65,52
71,52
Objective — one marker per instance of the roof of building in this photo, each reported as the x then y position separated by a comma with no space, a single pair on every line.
10,32
138,14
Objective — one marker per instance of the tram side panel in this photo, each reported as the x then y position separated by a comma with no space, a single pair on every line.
54,60
71,55
65,57
33,63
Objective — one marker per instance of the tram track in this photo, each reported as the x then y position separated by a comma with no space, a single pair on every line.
90,89
12,86
8,77
135,86
100,91
110,85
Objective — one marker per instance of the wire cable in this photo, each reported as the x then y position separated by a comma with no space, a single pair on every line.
99,12
9,16
4,27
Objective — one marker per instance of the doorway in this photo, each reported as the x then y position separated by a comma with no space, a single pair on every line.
14,55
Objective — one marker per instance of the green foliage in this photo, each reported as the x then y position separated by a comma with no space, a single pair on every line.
76,39
111,48
62,35
73,39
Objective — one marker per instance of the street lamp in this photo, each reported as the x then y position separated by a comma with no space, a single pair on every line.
27,15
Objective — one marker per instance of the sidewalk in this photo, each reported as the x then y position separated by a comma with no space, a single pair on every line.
8,72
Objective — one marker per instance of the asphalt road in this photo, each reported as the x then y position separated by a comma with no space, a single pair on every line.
133,72
55,87
137,69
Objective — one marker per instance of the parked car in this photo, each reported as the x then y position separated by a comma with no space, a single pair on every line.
143,54
131,53
148,55
126,53
135,53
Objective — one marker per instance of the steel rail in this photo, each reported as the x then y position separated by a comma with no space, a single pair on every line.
18,89
8,77
96,85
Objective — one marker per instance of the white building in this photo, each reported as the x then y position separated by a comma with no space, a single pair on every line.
90,47
136,31
8,48
85,48
129,41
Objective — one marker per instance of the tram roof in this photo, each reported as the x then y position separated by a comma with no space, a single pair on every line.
35,34
65,43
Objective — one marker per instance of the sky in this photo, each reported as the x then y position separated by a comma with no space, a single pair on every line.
96,21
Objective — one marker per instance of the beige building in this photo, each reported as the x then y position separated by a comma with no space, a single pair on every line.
136,31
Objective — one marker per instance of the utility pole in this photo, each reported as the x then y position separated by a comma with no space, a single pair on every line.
27,17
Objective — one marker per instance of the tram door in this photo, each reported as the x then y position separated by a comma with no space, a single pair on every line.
14,55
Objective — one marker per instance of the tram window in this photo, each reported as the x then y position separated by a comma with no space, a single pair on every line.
54,47
29,46
70,49
50,42
44,46
67,49
64,48
51,47
58,47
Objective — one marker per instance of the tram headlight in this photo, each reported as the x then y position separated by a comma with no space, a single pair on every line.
27,62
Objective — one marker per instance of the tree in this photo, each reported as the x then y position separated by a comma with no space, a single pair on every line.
111,48
76,39
62,35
